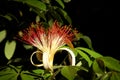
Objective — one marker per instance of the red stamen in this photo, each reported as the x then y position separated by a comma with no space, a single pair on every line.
55,37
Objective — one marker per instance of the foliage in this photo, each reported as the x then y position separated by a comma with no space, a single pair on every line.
16,15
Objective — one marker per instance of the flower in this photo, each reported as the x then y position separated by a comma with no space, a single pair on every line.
49,41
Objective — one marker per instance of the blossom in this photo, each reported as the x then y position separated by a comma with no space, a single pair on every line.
49,41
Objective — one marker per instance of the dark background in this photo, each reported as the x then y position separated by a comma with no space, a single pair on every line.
96,20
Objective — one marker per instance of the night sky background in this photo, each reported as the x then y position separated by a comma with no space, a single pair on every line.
96,20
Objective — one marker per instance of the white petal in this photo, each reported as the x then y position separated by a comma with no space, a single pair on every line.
71,53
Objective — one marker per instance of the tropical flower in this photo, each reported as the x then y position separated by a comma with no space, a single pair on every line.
49,41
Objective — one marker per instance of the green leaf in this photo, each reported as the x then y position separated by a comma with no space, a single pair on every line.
47,76
87,40
106,76
41,14
35,3
8,74
79,63
84,55
38,71
111,76
25,76
2,35
90,52
28,46
60,3
46,1
50,22
78,36
56,16
8,17
111,63
37,19
97,68
64,14
115,76
66,1
17,60
9,49
69,72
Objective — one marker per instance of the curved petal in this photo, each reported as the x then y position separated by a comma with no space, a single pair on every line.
71,53
38,65
48,59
